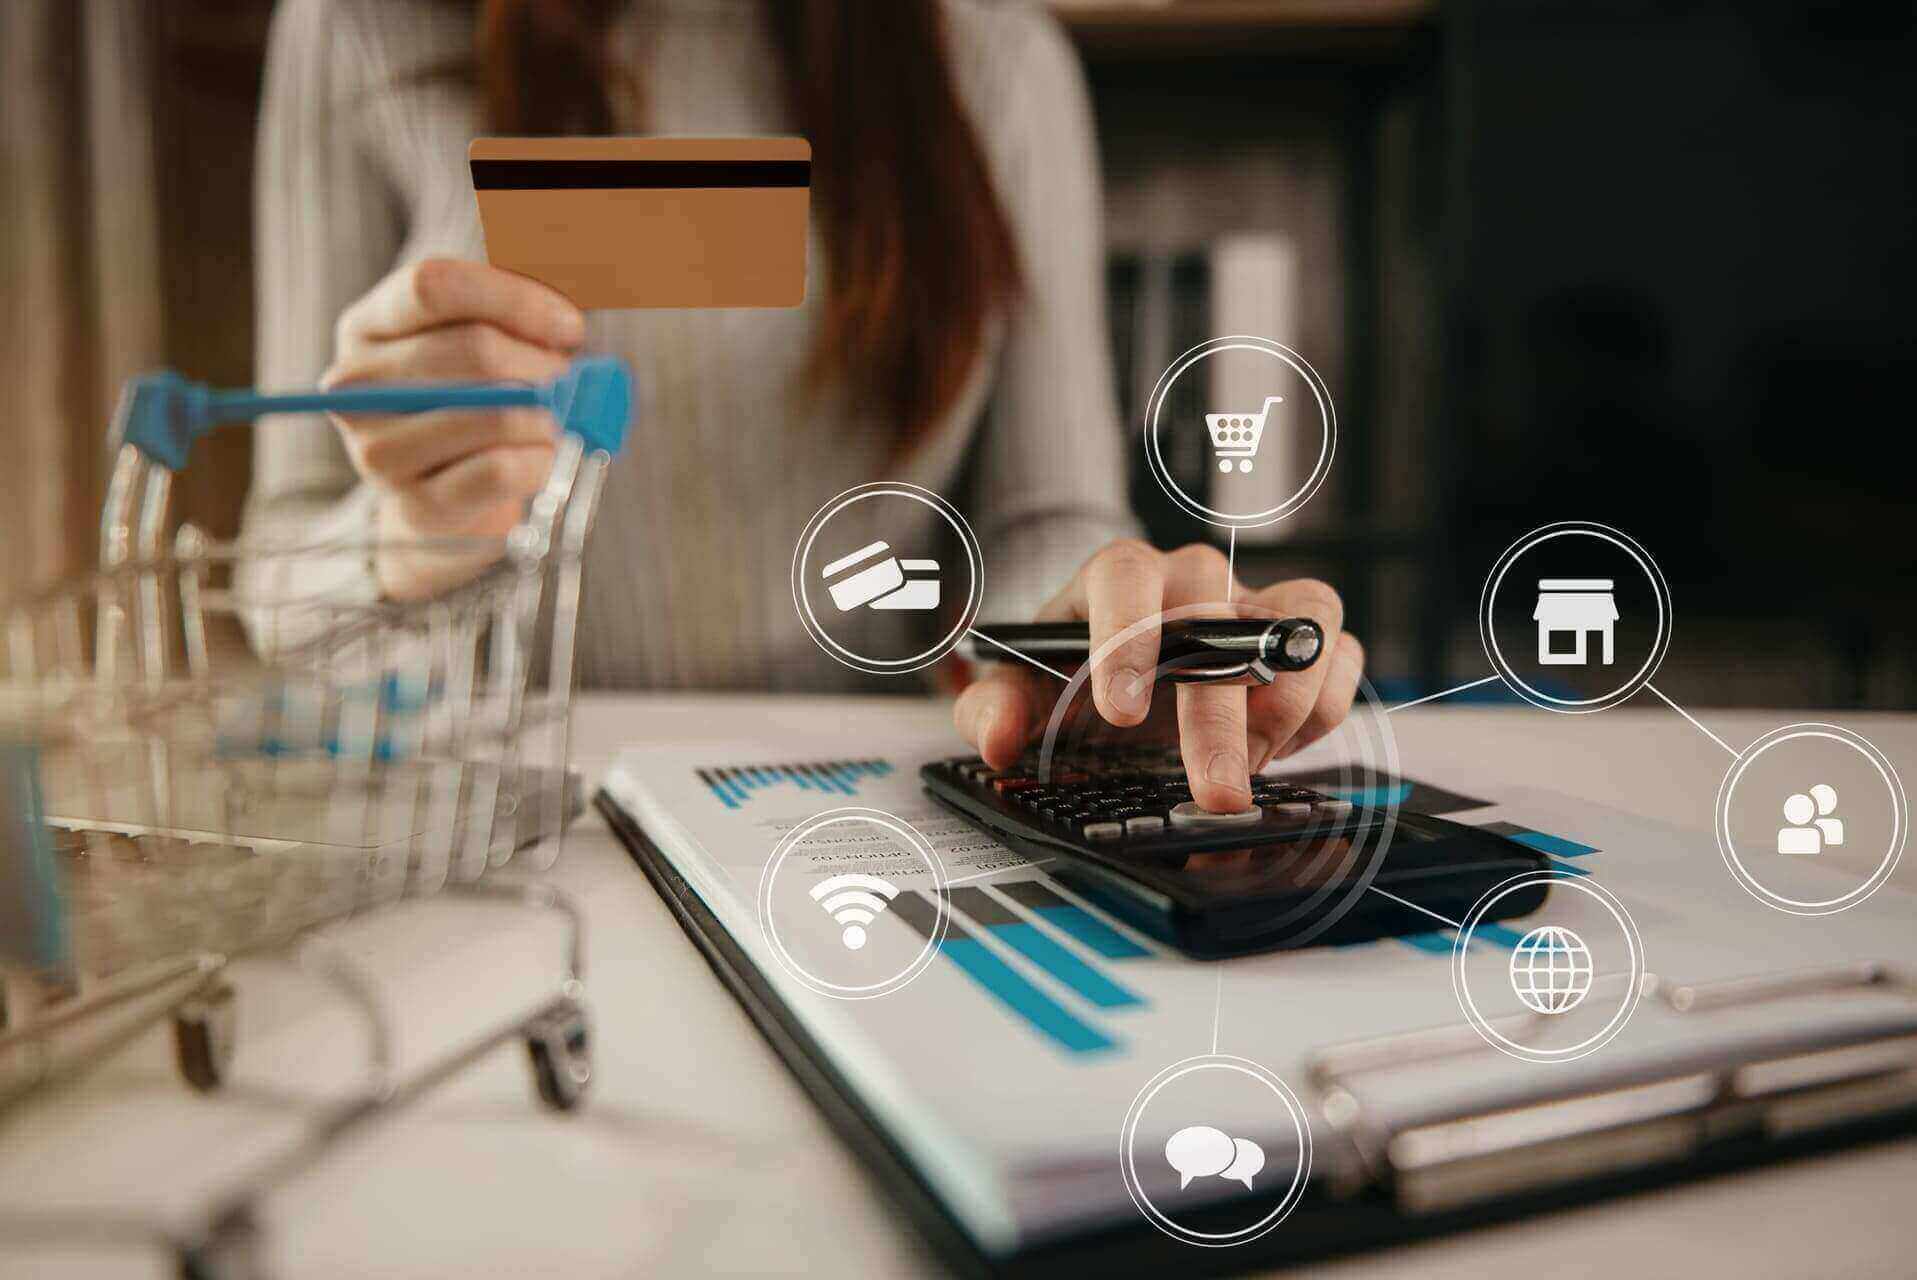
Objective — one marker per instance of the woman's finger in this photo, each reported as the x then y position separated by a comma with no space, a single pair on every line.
1346,667
481,493
1200,574
1211,718
474,351
999,714
1123,587
398,451
1278,710
440,291
1211,739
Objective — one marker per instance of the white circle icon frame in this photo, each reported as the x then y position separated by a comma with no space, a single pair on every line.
1633,942
1327,417
1487,604
1899,819
1128,1136
974,559
768,925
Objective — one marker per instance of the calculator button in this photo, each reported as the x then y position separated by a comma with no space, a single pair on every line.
1332,808
1289,809
1102,830
1144,825
1188,814
1015,783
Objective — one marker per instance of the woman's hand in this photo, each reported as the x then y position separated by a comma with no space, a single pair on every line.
1225,732
452,473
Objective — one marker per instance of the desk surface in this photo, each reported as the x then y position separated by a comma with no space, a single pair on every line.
697,1153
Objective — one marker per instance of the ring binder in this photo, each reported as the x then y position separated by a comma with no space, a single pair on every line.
1800,1083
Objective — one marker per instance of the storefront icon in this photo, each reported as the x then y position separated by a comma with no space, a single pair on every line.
1578,606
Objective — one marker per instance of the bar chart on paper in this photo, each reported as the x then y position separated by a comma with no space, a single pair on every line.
1050,963
737,784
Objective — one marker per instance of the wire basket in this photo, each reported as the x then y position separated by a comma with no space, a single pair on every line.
173,798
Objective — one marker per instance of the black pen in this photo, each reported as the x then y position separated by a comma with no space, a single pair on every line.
1190,650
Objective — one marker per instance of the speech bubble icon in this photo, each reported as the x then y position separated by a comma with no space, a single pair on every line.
1198,1151
1250,1162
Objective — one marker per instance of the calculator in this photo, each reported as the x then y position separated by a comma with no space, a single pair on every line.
1294,869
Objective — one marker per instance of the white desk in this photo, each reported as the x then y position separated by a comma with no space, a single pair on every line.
696,1152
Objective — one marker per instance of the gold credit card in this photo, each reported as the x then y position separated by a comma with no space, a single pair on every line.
649,222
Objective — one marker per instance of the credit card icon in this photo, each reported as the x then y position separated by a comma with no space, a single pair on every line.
649,222
873,577
918,592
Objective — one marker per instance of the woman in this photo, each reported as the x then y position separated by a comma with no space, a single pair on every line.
953,321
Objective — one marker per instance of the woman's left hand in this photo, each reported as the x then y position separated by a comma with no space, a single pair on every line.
1225,732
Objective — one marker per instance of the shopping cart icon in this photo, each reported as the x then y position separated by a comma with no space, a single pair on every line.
1236,435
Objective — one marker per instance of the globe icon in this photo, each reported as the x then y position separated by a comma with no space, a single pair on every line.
1551,969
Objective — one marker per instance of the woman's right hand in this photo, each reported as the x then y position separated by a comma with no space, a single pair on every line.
456,472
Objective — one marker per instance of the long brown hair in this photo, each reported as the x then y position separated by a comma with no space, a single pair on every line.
920,254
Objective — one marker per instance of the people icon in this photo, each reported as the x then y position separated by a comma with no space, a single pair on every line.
1832,827
1811,827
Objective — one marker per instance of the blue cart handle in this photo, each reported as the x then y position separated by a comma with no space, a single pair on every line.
162,414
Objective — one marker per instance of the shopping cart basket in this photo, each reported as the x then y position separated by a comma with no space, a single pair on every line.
1235,436
172,799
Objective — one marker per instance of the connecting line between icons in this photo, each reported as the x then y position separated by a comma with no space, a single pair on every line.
1433,697
1693,719
1415,907
1662,697
1217,1009
1231,563
1052,671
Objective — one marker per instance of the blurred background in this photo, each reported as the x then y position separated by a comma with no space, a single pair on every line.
1637,262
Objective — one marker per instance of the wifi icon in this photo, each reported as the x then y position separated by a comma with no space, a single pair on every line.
854,901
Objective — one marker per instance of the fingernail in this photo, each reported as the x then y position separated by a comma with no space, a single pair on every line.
1227,769
1128,691
985,724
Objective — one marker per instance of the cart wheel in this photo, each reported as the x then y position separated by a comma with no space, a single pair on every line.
561,1053
1224,464
1245,465
203,1036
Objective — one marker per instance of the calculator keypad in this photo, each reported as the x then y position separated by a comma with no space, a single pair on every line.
1139,801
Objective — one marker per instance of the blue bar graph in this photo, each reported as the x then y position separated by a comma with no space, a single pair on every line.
1043,950
1071,919
1005,984
734,785
1439,942
1375,797
1498,935
1542,841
